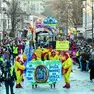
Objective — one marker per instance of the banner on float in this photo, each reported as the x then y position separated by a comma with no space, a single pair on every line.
30,69
62,45
48,71
54,67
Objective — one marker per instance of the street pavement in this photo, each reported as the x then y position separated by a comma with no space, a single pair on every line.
80,84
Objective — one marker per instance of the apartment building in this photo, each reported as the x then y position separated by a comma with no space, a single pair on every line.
32,6
87,18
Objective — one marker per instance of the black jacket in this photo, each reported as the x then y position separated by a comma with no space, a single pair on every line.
7,74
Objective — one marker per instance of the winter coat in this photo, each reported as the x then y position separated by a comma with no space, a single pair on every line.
9,74
91,67
84,56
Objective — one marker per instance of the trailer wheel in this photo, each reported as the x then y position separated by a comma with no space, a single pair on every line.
36,86
32,86
54,85
51,86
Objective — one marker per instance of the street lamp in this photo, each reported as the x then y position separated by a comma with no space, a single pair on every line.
85,6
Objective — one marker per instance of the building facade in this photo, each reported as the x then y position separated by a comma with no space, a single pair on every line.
33,6
4,19
29,7
87,18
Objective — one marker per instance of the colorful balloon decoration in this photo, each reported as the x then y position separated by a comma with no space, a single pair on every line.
51,21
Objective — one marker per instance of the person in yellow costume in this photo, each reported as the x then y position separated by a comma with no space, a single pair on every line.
38,53
54,56
19,69
58,54
45,54
67,68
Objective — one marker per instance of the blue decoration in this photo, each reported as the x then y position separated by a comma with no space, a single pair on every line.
50,20
45,26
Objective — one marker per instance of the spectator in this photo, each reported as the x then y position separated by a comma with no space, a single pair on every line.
9,77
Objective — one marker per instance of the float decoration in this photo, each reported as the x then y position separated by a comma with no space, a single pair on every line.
62,45
50,21
45,26
40,72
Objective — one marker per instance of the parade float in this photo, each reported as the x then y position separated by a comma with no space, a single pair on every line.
46,29
44,72
47,71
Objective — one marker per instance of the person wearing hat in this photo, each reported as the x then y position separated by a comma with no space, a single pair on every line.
19,69
45,54
38,53
54,55
67,68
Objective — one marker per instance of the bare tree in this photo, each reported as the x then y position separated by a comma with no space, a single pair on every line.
48,9
68,12
77,12
61,12
14,13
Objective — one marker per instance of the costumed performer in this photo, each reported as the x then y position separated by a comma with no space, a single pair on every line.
19,69
38,53
67,69
54,55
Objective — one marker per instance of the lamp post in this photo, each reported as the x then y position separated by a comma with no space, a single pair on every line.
85,19
85,13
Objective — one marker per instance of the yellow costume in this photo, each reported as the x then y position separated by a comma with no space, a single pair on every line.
19,68
54,56
38,53
67,68
45,54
